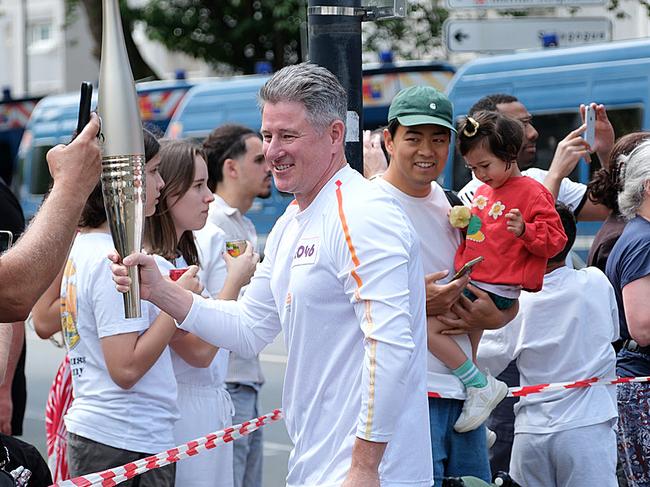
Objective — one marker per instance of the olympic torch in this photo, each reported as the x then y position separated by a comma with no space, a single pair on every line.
122,148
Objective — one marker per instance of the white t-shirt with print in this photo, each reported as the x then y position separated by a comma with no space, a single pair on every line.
140,419
438,244
343,280
561,334
570,193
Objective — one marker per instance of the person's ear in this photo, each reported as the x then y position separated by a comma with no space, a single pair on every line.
337,132
389,143
230,168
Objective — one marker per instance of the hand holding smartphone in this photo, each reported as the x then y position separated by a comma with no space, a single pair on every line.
467,268
590,119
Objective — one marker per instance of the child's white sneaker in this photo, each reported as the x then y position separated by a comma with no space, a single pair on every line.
490,438
479,404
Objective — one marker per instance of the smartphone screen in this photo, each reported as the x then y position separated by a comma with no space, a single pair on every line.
6,239
590,120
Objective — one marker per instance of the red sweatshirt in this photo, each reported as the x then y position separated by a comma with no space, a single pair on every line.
516,261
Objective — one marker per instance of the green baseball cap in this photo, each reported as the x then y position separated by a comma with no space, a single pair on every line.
422,105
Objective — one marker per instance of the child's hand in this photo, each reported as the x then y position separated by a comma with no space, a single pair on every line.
515,222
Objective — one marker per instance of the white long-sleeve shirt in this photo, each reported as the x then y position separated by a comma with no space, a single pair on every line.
562,333
343,280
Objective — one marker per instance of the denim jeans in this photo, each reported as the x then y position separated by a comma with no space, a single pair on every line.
247,451
455,454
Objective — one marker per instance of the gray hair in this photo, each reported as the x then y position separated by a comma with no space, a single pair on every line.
635,173
323,97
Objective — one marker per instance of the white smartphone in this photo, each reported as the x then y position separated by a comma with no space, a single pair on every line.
590,119
6,239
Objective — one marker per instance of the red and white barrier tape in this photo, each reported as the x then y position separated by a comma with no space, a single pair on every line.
117,475
560,386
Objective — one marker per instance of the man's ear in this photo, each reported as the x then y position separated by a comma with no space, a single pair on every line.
337,132
388,142
230,168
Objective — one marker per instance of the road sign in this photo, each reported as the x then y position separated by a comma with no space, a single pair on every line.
516,4
524,33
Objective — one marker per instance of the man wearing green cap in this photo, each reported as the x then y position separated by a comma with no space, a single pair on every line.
418,138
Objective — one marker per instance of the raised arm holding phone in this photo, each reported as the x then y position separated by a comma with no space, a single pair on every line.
32,263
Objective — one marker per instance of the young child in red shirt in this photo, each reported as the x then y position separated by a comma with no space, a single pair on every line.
513,225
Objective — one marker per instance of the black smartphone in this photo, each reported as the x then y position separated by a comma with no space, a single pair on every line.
85,100
467,268
6,239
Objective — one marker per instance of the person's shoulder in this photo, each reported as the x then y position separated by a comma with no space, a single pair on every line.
636,233
593,274
536,173
356,195
92,249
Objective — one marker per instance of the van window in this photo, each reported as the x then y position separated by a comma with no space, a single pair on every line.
552,128
40,178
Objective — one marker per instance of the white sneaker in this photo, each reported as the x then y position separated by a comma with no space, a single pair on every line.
479,404
490,438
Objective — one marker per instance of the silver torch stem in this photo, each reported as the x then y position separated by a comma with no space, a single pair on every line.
123,181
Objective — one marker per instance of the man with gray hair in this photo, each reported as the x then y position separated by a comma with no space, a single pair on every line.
342,278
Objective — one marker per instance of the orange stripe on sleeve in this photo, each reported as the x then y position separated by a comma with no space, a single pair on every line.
368,313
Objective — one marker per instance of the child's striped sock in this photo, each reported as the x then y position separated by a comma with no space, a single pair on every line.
469,375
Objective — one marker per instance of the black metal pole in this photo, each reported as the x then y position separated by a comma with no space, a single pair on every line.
335,44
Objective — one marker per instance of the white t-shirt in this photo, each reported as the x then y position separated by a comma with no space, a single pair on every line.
139,419
438,244
343,280
212,273
561,334
235,227
570,193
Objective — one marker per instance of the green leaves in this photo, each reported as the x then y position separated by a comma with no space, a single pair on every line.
234,32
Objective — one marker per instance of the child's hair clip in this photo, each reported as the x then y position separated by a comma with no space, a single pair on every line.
470,132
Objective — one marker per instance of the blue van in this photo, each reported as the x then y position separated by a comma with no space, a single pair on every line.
55,118
234,100
552,84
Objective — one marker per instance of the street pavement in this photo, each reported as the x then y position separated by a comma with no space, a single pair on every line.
43,359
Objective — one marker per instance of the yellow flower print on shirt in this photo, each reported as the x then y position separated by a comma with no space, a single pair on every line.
480,202
497,210
69,305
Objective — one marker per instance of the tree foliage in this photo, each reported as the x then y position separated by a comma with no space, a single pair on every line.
234,32
93,9
412,37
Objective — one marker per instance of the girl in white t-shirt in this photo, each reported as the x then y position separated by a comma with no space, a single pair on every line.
200,368
124,404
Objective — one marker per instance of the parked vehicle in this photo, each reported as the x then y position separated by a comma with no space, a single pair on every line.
14,115
54,119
